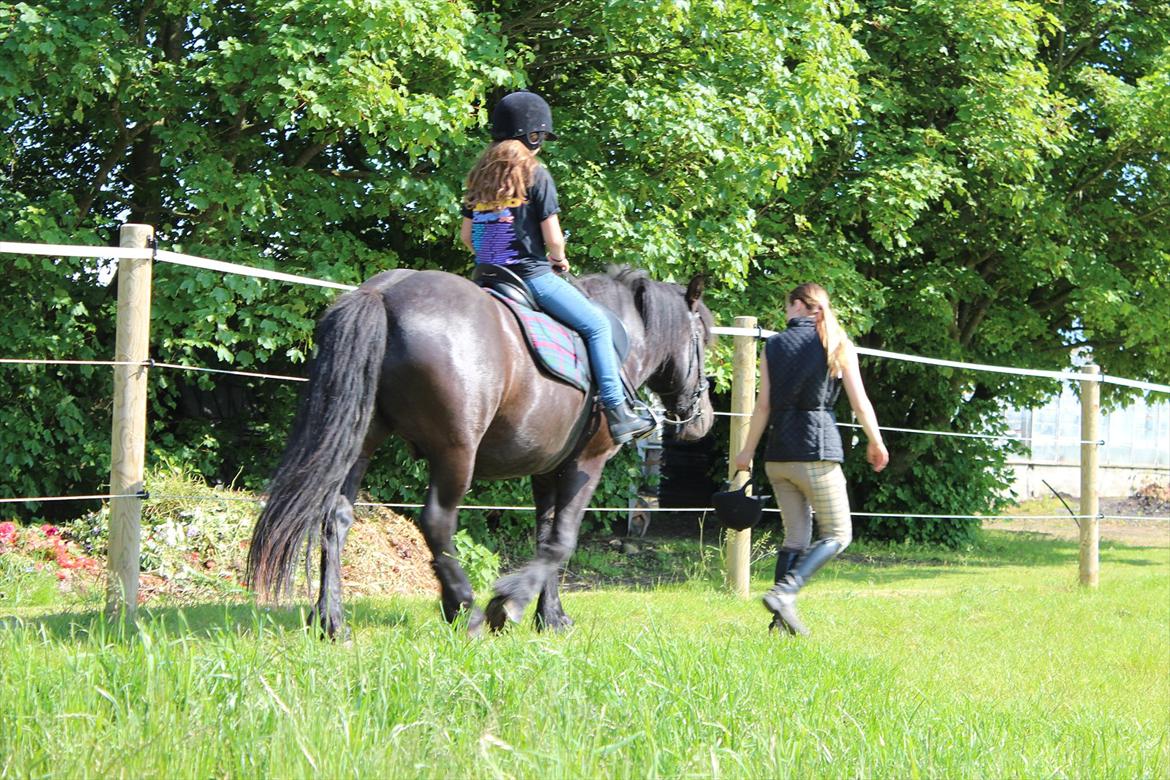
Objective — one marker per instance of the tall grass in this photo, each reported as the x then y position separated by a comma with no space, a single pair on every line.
977,665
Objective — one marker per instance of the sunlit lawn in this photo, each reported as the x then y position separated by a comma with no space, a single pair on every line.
990,662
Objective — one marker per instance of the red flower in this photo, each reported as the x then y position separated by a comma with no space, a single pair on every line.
50,530
7,533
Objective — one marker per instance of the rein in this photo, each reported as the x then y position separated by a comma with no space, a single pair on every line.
695,363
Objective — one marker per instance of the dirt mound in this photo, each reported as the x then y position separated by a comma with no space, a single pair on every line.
1151,499
385,554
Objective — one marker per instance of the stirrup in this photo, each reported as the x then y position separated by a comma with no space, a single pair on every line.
626,424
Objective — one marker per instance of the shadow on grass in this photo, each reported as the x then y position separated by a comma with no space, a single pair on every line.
204,620
887,561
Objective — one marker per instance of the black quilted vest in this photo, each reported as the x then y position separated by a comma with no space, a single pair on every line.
802,425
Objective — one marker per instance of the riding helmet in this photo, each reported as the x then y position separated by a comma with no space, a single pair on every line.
523,115
736,509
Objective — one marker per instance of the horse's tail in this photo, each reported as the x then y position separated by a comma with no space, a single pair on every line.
331,423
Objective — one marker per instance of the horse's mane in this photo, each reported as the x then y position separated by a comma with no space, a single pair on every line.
662,305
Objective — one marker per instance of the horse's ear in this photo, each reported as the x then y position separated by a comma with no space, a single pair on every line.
638,288
695,291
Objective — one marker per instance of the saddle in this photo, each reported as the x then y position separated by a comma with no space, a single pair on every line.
556,348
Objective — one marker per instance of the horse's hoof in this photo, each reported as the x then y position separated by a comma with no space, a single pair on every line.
501,611
778,626
332,633
475,622
338,633
333,630
556,623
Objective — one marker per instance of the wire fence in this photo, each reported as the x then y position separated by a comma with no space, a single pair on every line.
175,258
146,495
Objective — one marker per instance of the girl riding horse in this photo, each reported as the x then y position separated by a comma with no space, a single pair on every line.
510,218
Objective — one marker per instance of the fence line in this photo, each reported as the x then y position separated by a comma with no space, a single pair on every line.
282,377
996,437
177,258
56,362
191,261
1064,376
97,497
605,509
75,250
232,372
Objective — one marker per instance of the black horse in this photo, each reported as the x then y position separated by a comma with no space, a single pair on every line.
435,359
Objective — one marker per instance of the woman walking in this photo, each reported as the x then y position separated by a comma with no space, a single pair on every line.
802,372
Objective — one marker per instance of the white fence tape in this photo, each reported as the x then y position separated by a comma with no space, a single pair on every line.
62,250
55,362
244,270
38,499
648,509
1072,376
255,374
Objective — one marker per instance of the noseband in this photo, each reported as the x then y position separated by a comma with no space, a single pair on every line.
695,363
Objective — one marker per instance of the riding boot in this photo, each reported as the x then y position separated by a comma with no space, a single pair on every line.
785,558
626,424
781,599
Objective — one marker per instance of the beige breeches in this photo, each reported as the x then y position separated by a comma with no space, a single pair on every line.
803,488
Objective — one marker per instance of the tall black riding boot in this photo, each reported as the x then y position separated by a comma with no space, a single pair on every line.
626,424
785,558
781,599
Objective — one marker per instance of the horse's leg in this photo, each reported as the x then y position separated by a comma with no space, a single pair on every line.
575,484
450,480
328,613
549,612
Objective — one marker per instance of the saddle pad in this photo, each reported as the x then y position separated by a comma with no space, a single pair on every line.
557,349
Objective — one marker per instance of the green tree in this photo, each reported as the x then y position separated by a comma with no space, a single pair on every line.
1000,199
302,135
330,138
982,179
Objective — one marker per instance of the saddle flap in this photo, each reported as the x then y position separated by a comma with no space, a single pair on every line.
556,348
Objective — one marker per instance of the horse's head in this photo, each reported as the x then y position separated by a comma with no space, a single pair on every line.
678,331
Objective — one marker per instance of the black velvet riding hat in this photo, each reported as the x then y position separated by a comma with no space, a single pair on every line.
736,509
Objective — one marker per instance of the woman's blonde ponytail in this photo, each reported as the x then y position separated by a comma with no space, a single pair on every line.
833,338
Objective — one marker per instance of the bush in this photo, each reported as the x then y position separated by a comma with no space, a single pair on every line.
194,536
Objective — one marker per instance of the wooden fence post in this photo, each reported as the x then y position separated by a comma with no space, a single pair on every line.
743,398
128,453
1090,526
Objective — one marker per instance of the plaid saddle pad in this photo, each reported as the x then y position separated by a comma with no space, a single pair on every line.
557,348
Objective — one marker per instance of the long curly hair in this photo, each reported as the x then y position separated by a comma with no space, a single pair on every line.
502,173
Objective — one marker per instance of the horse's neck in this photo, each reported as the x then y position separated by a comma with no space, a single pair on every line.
640,364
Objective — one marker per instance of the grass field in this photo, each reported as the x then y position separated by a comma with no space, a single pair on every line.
985,663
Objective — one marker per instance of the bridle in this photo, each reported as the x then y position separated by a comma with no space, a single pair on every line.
695,363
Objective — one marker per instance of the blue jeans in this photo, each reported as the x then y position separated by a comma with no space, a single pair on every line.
566,303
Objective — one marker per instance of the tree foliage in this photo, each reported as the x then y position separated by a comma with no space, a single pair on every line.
982,179
1000,196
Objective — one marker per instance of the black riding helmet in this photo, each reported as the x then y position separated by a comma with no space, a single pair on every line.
736,509
525,116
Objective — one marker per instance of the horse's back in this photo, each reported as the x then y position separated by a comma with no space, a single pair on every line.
442,344
458,374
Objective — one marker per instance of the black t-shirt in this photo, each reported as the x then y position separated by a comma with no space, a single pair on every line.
508,232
